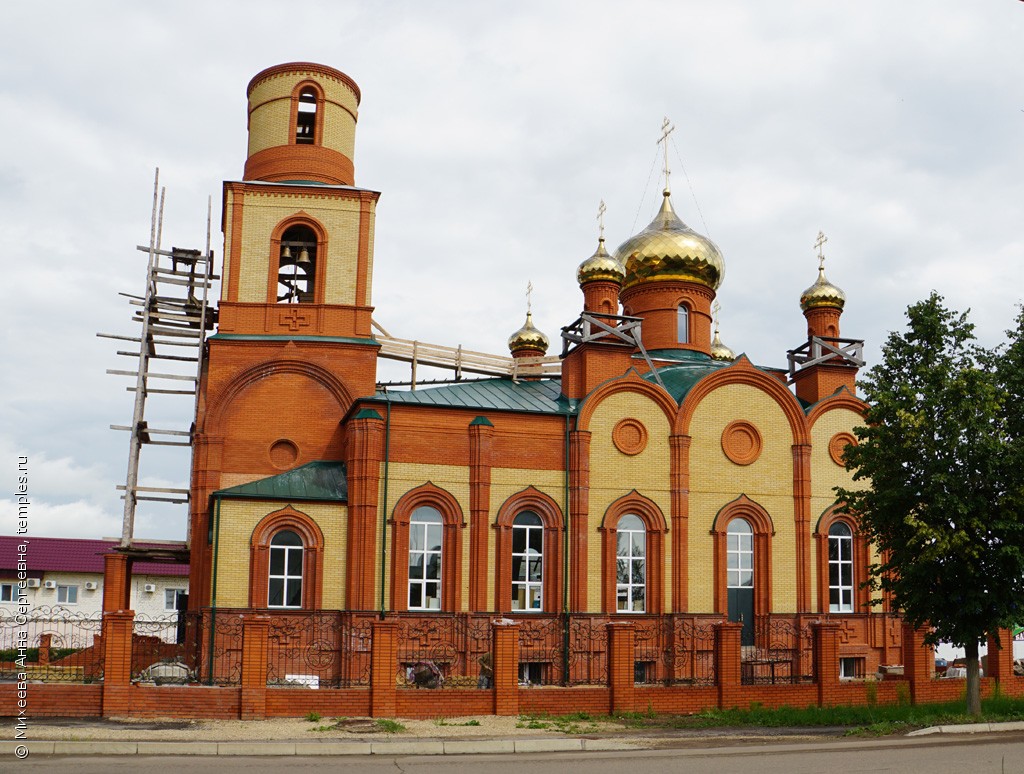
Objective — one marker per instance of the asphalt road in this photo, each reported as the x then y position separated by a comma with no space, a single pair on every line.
998,754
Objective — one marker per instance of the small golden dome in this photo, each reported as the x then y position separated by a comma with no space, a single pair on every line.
528,339
822,293
600,266
719,351
668,249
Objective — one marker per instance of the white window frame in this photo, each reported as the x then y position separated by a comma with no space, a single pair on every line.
627,561
527,589
287,579
426,524
177,592
739,554
840,568
683,324
69,592
8,592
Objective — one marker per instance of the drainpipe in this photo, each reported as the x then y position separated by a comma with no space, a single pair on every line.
384,505
213,588
565,557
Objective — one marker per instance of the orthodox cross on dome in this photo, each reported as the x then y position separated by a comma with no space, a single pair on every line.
601,209
820,244
715,309
666,129
529,292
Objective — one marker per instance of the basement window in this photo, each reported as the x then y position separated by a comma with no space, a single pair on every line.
851,668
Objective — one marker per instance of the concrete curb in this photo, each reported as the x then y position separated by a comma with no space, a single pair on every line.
970,728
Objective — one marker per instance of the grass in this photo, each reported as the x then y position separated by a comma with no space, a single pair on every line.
389,726
313,717
574,723
445,722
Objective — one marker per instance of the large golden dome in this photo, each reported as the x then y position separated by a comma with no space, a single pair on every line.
600,266
822,293
528,339
668,249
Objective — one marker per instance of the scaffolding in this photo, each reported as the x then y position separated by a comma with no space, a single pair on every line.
174,315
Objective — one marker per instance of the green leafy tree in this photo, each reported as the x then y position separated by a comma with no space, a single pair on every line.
937,497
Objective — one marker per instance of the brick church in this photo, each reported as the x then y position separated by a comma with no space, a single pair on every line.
646,473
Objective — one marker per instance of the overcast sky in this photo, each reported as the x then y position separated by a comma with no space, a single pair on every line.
493,130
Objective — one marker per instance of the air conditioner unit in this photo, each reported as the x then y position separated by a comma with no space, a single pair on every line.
149,588
49,584
91,585
32,583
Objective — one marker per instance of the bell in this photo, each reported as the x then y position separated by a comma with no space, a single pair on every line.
303,256
286,252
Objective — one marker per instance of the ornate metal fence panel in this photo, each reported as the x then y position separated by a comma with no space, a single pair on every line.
220,642
782,652
689,658
443,650
165,648
60,645
320,649
588,650
541,644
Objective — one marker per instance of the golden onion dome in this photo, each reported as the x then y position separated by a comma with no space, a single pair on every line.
719,351
668,249
528,339
600,267
822,294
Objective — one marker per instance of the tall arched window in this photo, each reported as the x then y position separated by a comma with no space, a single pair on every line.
425,530
296,275
631,565
305,118
739,562
284,580
527,562
683,324
840,568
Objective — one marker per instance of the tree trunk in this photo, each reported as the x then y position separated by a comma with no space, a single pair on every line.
973,679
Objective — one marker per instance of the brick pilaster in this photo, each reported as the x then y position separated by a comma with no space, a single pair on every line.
481,438
621,663
255,652
579,510
117,661
383,668
117,588
679,450
918,661
505,644
727,663
802,524
365,452
826,661
999,660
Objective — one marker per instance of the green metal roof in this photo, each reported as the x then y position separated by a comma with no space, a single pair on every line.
542,396
321,480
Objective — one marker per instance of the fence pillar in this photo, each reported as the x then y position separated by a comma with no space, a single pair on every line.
728,672
999,662
45,640
383,668
255,652
918,662
826,661
505,645
117,661
621,666
117,588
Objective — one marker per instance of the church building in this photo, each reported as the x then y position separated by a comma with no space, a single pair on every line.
644,473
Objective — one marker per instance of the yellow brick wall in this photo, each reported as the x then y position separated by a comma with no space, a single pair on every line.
715,481
226,268
265,211
238,519
271,103
614,474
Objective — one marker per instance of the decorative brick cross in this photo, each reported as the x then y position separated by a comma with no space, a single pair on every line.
294,319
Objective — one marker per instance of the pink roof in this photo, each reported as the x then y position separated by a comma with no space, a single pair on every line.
73,555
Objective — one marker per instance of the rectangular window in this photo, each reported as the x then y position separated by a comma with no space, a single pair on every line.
67,595
7,592
171,598
850,668
531,673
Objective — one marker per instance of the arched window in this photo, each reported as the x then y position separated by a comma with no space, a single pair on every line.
840,568
305,118
527,562
631,565
284,580
296,275
739,562
425,550
683,324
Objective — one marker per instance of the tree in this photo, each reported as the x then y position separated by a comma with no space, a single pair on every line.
939,499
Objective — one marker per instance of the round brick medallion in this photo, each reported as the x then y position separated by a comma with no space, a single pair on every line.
630,436
837,446
741,442
283,454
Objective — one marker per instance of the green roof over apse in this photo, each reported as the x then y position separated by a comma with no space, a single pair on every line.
541,396
689,368
321,480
